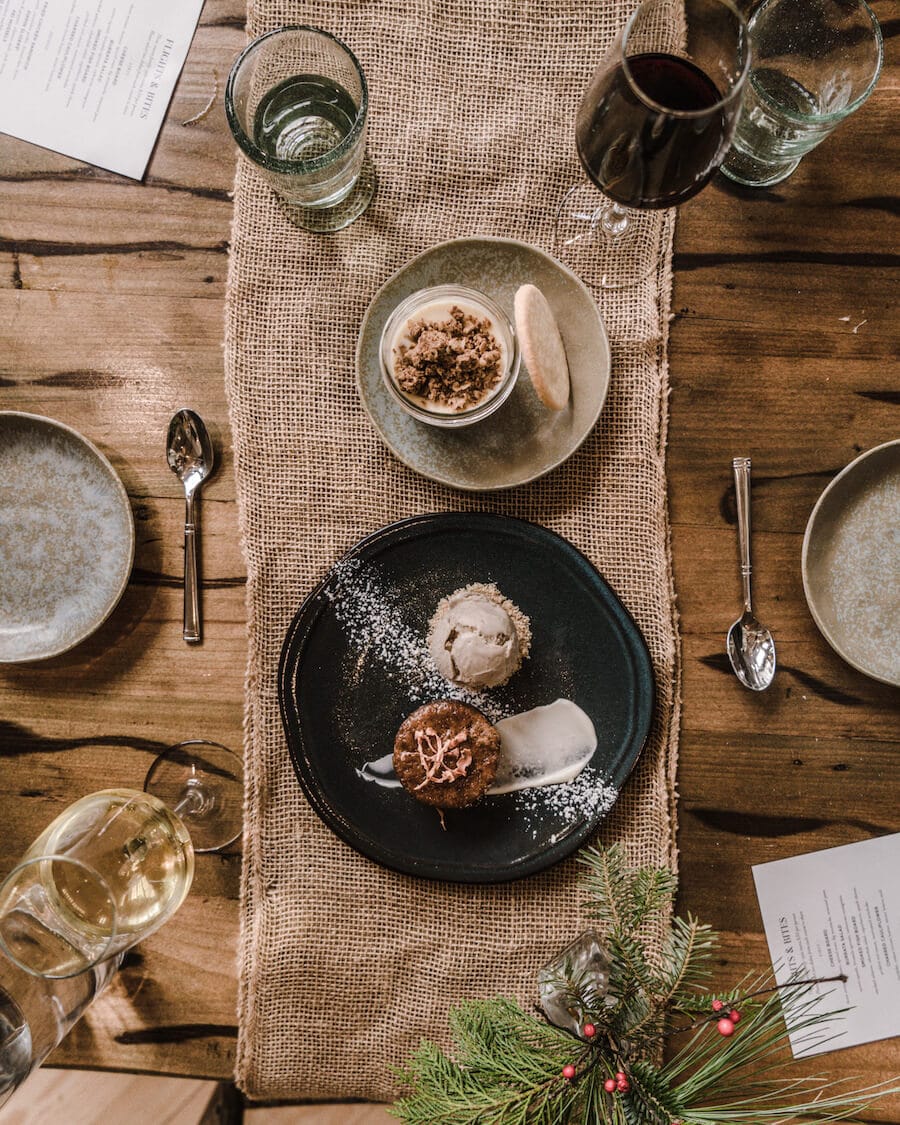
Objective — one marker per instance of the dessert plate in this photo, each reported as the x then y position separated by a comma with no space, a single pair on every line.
354,665
66,537
523,440
851,563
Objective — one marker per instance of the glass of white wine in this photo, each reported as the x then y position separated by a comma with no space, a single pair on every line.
106,873
111,869
117,864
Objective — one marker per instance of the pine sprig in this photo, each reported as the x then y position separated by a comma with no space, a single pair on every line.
508,1068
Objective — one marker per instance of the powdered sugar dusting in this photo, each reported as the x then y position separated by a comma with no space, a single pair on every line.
373,620
586,797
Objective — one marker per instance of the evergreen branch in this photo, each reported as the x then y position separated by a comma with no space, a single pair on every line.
607,884
686,957
509,1068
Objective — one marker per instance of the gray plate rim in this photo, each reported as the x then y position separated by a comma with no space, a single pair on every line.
121,492
809,589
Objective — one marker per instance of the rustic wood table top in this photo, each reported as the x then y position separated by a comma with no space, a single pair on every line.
783,333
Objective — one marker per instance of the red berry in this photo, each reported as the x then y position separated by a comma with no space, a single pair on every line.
568,1072
621,1076
725,1026
589,1031
623,1086
734,1015
610,1085
717,1005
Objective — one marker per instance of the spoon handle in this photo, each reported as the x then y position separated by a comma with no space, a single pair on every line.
191,631
741,466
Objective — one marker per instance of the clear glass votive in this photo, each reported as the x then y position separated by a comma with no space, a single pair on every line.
813,64
296,102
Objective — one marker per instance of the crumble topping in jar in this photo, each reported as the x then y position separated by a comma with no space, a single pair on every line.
448,357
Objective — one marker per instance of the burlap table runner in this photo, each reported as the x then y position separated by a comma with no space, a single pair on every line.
345,966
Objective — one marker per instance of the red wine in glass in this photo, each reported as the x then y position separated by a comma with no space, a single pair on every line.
653,126
642,135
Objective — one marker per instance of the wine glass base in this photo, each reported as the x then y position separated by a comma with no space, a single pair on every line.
612,246
203,783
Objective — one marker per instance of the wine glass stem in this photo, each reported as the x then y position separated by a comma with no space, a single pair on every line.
193,801
615,220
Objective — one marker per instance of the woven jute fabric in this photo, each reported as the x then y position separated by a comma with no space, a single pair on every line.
346,966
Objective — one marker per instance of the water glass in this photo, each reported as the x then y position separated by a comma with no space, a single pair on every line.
813,64
40,933
296,101
37,1012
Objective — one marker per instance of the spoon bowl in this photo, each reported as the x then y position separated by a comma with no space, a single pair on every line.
189,452
189,449
751,650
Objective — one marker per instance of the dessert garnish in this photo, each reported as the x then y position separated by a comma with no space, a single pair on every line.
542,347
442,759
452,361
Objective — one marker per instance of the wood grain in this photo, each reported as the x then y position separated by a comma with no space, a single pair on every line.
783,346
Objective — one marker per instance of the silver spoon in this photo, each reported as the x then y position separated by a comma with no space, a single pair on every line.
189,451
751,648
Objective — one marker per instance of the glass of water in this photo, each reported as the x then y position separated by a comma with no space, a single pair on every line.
36,1013
296,101
813,64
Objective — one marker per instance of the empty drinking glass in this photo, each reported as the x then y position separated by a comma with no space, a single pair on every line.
813,64
296,101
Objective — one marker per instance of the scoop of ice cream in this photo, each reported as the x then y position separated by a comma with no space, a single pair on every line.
474,640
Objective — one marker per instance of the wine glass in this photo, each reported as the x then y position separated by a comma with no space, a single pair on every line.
116,864
653,126
105,874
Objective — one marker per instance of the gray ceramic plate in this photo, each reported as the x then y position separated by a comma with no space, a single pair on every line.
851,563
66,537
523,439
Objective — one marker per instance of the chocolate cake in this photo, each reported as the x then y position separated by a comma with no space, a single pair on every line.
446,754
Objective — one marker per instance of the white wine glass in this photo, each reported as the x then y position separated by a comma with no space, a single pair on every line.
117,864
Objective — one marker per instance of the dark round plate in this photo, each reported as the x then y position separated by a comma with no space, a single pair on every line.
354,664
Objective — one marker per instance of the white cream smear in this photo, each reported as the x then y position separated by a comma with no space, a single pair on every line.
547,745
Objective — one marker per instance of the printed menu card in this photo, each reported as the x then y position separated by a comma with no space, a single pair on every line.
92,79
831,912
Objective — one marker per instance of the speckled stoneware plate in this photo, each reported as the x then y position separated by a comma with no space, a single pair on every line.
66,537
523,439
355,663
851,563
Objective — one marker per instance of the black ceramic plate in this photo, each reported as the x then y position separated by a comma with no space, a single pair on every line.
354,664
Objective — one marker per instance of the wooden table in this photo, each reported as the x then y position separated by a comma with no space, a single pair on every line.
783,332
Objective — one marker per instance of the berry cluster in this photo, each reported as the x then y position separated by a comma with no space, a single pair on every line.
726,1024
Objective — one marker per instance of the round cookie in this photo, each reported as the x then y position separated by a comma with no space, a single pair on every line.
542,347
